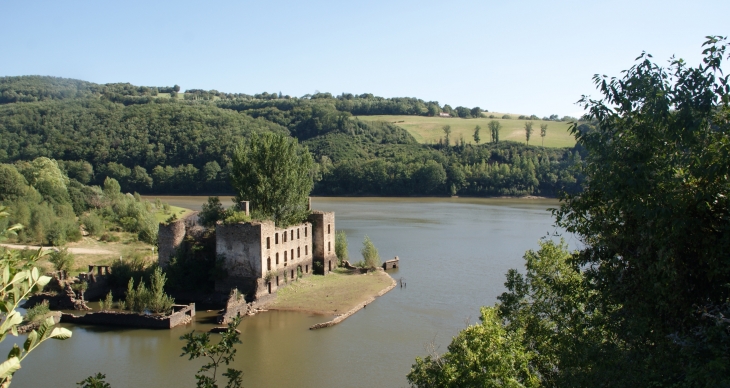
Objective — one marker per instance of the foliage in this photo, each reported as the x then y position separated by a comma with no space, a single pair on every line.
644,303
476,134
195,266
341,246
528,131
543,132
152,300
37,312
133,267
274,173
96,381
61,259
212,212
482,355
20,278
222,353
654,218
494,127
370,255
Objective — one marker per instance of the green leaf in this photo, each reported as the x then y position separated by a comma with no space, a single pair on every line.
14,352
9,367
31,341
60,333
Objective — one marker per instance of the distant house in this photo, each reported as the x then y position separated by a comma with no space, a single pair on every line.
444,114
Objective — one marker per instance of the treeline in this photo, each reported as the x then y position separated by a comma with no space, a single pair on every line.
172,146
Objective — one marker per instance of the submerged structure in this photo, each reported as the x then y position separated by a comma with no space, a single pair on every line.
258,256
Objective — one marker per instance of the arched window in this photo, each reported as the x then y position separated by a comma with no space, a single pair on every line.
285,256
268,242
277,260
299,252
268,264
276,238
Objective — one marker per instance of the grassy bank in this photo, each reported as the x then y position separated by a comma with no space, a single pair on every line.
428,129
335,293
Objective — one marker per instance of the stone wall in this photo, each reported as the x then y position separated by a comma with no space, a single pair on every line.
235,306
180,316
323,233
169,238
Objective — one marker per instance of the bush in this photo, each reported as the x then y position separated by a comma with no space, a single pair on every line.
341,246
62,260
235,217
212,212
37,312
370,255
507,117
93,223
153,300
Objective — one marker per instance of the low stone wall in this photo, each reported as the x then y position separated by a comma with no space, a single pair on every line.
344,316
30,326
180,316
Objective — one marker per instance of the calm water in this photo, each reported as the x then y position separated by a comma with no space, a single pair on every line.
454,254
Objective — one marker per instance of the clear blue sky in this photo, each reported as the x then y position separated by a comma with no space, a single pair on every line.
532,57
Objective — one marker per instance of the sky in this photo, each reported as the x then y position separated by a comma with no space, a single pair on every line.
525,57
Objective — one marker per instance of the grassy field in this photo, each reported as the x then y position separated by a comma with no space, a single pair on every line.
180,212
429,129
335,293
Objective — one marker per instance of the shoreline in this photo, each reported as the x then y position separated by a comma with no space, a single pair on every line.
352,311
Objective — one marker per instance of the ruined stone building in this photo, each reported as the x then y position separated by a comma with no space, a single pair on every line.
259,257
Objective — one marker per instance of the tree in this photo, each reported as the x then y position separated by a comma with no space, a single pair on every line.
528,131
370,255
447,133
96,381
476,112
482,355
655,220
274,173
476,134
543,132
222,353
494,127
20,278
341,246
645,301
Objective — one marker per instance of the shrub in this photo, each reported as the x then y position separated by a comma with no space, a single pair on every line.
370,255
235,217
341,246
507,117
37,312
212,212
62,260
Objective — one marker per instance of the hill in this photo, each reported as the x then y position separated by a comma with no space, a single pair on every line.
160,140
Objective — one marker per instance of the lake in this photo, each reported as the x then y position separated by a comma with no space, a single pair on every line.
454,254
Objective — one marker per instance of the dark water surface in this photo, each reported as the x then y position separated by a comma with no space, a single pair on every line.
454,253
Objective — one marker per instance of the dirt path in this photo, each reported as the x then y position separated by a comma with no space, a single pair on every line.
75,251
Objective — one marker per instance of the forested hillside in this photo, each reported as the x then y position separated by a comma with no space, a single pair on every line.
154,140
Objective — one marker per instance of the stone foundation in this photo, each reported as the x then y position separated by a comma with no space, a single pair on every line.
181,315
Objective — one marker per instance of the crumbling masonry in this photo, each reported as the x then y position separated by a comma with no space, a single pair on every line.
260,257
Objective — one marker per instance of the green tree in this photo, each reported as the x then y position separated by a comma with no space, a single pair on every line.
212,212
274,173
62,260
655,219
494,127
370,255
543,132
482,355
19,279
341,246
528,131
476,134
222,353
96,381
447,134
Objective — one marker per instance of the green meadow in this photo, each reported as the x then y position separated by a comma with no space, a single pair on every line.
429,129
